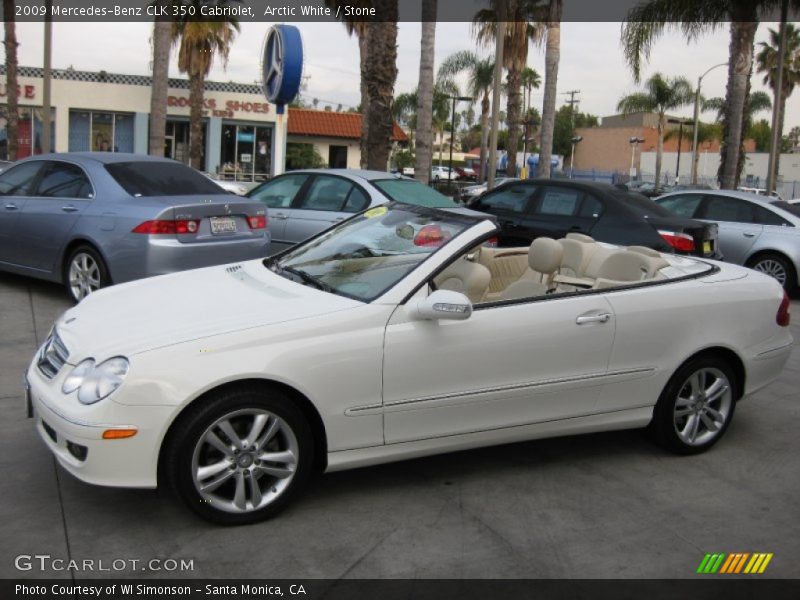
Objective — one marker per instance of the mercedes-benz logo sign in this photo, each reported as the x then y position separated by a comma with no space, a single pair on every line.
273,64
282,65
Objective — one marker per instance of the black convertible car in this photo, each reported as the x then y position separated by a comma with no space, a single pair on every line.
529,209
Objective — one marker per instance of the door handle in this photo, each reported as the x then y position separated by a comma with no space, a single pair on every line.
749,234
11,206
69,208
601,318
279,216
338,219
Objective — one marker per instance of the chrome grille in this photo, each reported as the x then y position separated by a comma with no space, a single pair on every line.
52,356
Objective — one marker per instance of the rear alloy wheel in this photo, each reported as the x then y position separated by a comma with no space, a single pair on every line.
85,273
241,456
777,267
696,406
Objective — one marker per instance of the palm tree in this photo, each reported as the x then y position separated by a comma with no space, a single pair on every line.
359,29
521,28
659,96
480,72
424,147
198,42
649,20
162,40
12,118
552,56
531,80
767,63
756,102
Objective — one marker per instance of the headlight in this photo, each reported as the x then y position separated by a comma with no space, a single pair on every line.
95,382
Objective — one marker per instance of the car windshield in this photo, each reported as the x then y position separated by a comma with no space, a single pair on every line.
156,178
413,192
644,206
370,253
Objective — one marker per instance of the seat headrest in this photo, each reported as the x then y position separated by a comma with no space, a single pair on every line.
545,255
581,237
626,266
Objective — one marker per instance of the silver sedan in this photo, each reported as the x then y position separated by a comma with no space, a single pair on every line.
92,219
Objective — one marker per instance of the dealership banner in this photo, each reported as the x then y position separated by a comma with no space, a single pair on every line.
279,11
397,589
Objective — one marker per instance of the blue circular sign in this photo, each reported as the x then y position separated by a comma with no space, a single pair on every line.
282,65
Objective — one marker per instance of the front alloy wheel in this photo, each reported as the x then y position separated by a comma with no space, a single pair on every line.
239,455
696,406
85,273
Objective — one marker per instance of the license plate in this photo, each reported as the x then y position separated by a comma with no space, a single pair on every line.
707,247
223,225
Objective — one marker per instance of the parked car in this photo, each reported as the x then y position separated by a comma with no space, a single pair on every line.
759,191
408,171
4,164
758,231
466,173
438,173
303,203
532,208
229,186
373,342
88,220
473,191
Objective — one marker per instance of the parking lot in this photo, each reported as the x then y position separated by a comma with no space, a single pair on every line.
599,506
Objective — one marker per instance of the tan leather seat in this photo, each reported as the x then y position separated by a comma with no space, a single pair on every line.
625,267
469,278
544,259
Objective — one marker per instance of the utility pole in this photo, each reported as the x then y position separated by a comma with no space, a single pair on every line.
775,144
47,78
500,36
573,105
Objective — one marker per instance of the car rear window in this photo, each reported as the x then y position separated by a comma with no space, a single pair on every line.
792,209
413,192
154,178
643,205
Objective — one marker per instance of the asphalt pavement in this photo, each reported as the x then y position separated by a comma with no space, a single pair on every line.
608,505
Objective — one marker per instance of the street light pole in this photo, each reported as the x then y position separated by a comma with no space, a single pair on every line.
680,143
697,118
634,142
453,132
575,140
496,83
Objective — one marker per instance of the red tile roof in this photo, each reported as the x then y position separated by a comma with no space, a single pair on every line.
323,123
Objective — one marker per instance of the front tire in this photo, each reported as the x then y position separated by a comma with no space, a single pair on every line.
776,266
240,456
696,406
85,272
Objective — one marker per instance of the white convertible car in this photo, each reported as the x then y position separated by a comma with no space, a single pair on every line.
397,334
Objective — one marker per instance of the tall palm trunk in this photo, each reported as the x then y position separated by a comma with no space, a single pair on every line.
513,109
660,148
11,80
162,34
196,86
363,51
551,58
424,153
741,61
382,73
484,135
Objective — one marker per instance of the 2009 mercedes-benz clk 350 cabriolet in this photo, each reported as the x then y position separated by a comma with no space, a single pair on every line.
399,333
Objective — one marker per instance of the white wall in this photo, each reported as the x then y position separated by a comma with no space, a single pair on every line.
708,163
323,147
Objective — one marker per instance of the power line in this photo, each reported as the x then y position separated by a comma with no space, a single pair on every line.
572,104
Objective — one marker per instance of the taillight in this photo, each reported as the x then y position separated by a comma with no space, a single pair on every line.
431,235
491,242
257,222
783,317
682,242
167,226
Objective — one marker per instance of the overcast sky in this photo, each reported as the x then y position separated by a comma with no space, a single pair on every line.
591,58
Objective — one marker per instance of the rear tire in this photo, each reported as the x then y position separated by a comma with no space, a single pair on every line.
239,456
85,272
696,406
776,266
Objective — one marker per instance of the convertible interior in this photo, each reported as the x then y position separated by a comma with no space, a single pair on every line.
549,266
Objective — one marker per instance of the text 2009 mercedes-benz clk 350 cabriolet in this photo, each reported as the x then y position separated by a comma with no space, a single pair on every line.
396,334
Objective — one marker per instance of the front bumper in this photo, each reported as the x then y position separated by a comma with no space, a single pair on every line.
74,434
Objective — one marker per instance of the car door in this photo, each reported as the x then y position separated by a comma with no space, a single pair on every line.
62,194
738,228
557,211
510,205
505,366
326,200
278,195
16,184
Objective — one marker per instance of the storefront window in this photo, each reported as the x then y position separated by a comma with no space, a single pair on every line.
29,134
176,140
246,152
100,131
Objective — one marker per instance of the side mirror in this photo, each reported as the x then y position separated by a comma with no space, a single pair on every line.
441,304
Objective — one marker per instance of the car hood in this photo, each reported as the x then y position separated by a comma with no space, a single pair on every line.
170,309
